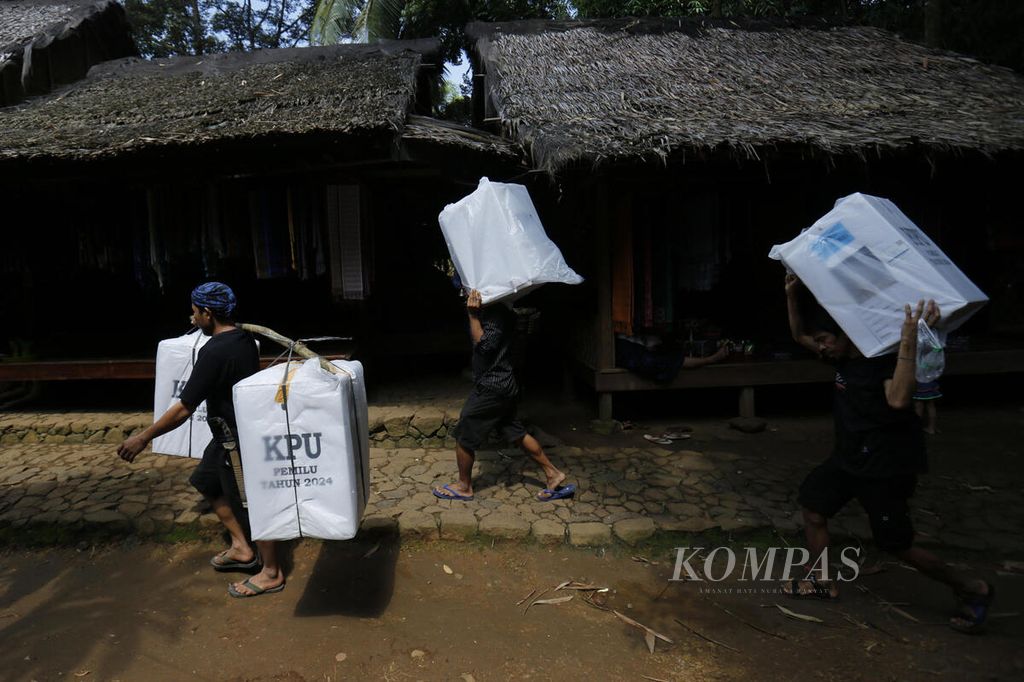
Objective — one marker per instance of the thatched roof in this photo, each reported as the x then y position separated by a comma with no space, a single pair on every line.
614,90
449,135
185,102
48,42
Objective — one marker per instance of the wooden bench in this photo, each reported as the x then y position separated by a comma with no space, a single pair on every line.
72,370
748,375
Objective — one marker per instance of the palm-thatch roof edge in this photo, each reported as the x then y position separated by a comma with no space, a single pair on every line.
636,90
329,93
44,43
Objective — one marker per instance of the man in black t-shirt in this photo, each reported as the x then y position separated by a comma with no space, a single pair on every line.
491,406
878,453
228,357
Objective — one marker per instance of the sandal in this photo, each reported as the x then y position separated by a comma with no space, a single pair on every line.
973,608
819,590
659,440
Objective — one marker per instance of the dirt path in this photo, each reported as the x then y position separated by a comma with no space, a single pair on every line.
158,612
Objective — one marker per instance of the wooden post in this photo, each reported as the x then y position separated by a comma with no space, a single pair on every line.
747,401
605,334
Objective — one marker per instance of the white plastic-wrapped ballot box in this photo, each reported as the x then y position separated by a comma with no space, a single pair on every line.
864,260
174,361
305,460
498,245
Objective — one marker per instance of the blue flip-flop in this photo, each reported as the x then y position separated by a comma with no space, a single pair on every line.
559,493
453,496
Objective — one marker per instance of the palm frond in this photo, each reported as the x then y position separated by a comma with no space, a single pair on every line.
380,19
332,19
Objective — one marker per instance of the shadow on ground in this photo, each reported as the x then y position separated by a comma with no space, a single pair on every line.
354,578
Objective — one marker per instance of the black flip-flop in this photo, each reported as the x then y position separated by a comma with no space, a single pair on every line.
235,565
256,589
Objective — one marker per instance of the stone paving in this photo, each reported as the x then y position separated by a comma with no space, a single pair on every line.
400,426
628,490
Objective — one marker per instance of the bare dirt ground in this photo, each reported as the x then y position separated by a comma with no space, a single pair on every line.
390,611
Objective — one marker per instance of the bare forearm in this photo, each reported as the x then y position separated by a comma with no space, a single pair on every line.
692,362
476,330
900,391
174,417
796,323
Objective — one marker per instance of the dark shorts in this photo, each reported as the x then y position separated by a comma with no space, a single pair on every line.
927,390
828,488
485,412
214,478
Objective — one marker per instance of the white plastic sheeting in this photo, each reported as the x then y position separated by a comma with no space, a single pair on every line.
498,244
864,260
305,459
174,360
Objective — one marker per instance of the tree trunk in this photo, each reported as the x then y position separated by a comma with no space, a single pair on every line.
716,9
198,34
933,23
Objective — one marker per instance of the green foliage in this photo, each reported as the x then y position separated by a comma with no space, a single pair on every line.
165,28
361,21
369,20
271,24
990,30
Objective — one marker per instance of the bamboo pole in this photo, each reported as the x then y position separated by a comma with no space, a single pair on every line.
297,347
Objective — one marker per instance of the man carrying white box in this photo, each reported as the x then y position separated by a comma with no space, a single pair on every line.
228,357
878,454
491,406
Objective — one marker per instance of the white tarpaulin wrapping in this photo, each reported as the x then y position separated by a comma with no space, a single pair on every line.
865,260
305,460
174,360
498,244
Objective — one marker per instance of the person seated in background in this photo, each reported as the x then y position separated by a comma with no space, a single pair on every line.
651,358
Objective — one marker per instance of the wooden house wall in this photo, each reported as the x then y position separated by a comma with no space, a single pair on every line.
967,205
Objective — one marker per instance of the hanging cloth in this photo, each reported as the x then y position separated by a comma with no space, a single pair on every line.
622,272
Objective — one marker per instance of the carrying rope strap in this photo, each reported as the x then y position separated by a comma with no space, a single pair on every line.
283,390
288,430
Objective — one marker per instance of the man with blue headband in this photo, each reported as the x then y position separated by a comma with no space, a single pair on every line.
228,357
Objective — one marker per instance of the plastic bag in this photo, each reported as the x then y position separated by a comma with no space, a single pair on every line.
498,244
931,358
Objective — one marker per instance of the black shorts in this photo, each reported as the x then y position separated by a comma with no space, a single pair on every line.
484,412
214,478
828,488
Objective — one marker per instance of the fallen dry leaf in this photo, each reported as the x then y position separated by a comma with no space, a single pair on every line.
799,616
447,569
554,600
649,634
339,657
520,602
903,613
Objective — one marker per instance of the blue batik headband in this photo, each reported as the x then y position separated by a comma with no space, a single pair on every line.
216,296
